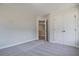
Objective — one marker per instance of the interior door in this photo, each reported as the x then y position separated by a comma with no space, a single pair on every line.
64,29
69,29
58,26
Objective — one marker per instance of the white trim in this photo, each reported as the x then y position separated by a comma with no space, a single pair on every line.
77,46
37,30
17,43
64,44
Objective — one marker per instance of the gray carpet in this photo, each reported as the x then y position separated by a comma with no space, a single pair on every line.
40,48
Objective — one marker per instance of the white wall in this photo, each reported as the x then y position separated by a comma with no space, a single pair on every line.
17,25
60,19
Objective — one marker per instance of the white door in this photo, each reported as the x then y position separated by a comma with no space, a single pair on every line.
64,29
58,35
69,27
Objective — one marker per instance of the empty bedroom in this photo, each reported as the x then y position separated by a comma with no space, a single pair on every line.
39,29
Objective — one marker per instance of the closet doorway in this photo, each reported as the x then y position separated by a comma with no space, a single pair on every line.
42,29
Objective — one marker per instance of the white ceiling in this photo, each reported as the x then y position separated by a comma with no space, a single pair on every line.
43,9
40,9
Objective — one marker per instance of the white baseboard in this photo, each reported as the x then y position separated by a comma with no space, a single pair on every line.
56,42
17,43
29,41
64,44
77,46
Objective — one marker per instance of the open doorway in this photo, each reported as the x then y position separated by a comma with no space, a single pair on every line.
42,30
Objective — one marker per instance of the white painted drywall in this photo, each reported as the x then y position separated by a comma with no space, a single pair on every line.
17,25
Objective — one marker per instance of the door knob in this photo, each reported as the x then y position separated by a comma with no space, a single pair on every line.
63,31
